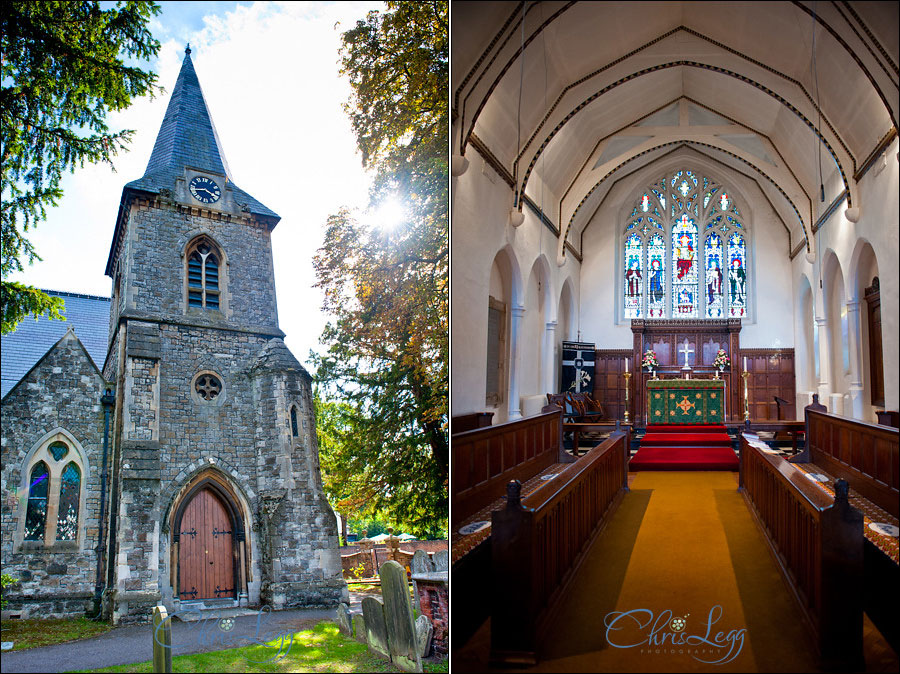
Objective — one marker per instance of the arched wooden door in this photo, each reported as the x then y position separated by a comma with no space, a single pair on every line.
206,550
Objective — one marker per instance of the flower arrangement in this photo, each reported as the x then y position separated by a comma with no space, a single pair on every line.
722,360
649,360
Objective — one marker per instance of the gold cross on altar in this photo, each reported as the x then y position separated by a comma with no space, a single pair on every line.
685,405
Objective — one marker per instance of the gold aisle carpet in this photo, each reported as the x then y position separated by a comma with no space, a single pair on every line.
680,581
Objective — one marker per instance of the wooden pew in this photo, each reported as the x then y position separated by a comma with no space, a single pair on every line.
485,459
867,456
818,543
539,542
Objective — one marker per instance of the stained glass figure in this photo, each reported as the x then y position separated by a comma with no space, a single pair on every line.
715,301
36,514
737,276
69,491
645,203
684,267
656,255
724,201
634,286
58,450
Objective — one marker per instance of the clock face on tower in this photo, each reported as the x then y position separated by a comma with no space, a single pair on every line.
204,190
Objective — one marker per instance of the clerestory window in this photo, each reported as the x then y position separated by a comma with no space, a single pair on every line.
203,261
685,251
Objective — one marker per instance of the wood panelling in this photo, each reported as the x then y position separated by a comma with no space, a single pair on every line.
609,384
485,459
771,374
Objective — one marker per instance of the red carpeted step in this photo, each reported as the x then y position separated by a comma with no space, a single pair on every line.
686,428
684,458
685,439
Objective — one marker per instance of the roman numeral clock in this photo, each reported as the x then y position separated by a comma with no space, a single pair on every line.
205,190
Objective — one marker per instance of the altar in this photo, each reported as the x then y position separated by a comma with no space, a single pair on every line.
686,401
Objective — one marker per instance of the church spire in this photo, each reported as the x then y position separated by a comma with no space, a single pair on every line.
187,136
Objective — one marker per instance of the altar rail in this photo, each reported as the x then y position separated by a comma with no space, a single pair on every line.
539,543
818,542
864,454
485,459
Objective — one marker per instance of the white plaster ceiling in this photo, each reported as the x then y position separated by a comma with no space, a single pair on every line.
573,50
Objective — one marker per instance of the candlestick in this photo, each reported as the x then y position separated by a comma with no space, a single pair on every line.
746,376
627,376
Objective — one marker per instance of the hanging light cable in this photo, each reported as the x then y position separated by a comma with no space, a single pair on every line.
818,107
516,217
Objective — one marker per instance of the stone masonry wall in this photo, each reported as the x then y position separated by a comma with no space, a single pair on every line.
62,392
155,268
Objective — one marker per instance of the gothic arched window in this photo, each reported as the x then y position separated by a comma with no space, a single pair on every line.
53,511
693,220
203,259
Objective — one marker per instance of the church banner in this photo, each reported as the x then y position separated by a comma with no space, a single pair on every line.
577,367
686,401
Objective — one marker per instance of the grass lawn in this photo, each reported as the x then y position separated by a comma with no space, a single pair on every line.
35,632
321,649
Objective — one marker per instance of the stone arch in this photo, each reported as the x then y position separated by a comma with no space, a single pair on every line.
806,356
863,269
536,351
237,506
837,329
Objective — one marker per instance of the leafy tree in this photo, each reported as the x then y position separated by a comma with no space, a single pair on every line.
388,291
62,71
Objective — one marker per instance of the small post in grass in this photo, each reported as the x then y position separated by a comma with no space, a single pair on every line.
162,640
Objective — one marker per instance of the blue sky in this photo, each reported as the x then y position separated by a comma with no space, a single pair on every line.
269,72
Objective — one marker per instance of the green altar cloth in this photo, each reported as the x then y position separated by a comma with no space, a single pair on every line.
686,401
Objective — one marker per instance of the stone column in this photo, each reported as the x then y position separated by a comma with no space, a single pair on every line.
550,358
853,337
515,324
824,358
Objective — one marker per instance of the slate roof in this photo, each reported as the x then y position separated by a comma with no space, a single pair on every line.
276,356
88,315
188,137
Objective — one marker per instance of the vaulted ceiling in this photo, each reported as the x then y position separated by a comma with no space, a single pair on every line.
605,88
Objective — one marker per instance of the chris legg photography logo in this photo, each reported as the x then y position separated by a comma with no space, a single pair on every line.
667,633
212,631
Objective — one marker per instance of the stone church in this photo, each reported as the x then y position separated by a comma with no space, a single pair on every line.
681,178
160,446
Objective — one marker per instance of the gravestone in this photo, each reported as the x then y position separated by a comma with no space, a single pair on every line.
421,563
424,633
398,615
162,640
376,629
343,620
442,560
359,627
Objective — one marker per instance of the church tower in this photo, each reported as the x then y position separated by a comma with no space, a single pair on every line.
216,497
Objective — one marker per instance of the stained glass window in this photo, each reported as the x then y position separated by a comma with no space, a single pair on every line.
36,514
715,280
58,450
656,265
69,490
633,276
708,273
737,276
684,268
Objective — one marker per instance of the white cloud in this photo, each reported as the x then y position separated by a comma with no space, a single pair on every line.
269,72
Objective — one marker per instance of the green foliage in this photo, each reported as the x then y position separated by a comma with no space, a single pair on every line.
388,292
62,72
5,581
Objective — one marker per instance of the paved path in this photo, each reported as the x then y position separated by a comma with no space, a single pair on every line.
131,644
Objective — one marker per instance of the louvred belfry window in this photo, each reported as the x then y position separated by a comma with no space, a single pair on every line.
203,276
691,221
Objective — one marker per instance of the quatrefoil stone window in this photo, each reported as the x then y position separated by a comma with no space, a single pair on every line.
208,386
